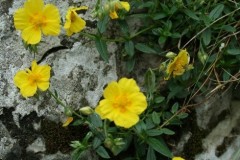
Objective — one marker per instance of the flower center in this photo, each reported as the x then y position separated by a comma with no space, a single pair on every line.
38,20
121,102
33,79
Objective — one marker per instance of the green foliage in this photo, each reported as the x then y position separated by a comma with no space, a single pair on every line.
209,30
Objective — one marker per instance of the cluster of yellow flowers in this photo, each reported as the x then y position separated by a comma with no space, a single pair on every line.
36,18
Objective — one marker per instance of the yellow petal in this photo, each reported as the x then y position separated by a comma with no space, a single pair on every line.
52,26
43,86
20,78
28,90
67,122
21,19
125,5
105,110
77,25
68,18
111,91
43,71
34,66
128,85
138,103
74,23
126,120
113,15
33,6
31,35
177,158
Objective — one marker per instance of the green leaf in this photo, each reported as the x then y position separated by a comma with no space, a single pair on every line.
144,48
216,12
96,142
151,154
234,51
140,126
206,36
154,132
182,115
76,154
129,48
149,123
146,5
158,16
101,151
155,118
167,131
130,64
228,28
95,120
102,49
191,14
159,99
102,24
159,146
124,27
150,81
77,122
162,40
174,108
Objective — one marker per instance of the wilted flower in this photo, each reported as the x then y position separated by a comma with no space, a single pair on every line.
123,103
29,80
35,18
177,158
68,121
74,23
179,64
118,5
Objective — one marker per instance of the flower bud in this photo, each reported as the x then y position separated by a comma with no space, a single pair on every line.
108,143
119,141
171,55
86,110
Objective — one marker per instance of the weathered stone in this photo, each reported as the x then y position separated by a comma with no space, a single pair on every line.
210,110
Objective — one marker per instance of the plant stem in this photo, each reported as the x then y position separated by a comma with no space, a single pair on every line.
141,31
57,99
90,36
62,104
105,128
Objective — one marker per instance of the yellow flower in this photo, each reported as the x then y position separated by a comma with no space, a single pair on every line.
177,158
178,66
68,121
29,80
74,23
118,5
35,18
123,103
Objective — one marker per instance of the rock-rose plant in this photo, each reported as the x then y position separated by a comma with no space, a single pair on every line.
131,115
